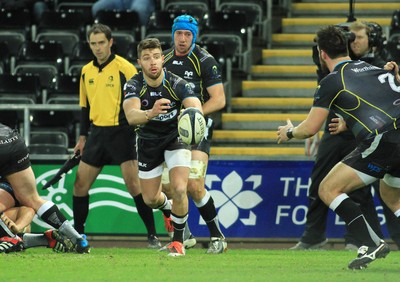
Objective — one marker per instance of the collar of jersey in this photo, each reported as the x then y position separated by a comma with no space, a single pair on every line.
103,65
190,52
340,63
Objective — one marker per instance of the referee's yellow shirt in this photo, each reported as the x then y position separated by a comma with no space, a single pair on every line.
101,89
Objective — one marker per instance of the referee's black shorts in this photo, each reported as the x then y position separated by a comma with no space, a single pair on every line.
109,145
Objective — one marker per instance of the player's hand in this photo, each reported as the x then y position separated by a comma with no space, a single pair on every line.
161,106
393,66
282,136
337,125
9,223
80,145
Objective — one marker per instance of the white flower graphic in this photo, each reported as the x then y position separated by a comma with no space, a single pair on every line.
232,198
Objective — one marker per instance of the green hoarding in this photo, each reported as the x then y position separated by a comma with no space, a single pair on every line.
111,209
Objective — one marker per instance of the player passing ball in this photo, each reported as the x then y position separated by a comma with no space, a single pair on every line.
153,100
366,98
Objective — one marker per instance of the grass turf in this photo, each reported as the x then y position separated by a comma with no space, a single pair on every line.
139,264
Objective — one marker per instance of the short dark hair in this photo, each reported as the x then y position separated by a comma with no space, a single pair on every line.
333,41
100,28
148,43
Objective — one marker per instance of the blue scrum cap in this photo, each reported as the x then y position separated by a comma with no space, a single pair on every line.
185,22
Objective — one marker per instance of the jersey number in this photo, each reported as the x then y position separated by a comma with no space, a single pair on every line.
390,77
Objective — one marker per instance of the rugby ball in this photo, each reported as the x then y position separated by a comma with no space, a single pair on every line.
191,126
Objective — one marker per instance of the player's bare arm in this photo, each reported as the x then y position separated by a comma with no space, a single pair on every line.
193,102
307,128
217,99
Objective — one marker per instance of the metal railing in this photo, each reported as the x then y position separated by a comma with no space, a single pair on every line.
28,108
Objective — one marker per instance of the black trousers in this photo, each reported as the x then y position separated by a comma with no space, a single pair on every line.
332,149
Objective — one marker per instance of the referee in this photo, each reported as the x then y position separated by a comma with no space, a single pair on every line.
111,140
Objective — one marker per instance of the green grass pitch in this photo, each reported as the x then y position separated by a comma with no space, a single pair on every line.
140,264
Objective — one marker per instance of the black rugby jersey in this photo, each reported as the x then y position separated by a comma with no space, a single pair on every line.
173,88
367,97
199,68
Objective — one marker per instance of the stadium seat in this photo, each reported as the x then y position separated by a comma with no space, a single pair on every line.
393,47
81,55
65,27
47,149
121,44
131,55
49,137
20,88
45,59
124,24
160,24
60,121
84,7
231,29
395,23
254,13
197,9
219,51
10,118
5,58
15,28
64,89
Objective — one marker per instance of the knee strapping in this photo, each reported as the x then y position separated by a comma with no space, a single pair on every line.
198,169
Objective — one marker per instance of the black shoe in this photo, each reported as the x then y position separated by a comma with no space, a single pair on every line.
154,242
306,246
367,255
9,244
82,245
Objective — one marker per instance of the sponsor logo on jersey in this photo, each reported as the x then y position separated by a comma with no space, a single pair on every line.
110,81
167,116
155,94
8,140
178,63
367,68
23,159
374,167
188,75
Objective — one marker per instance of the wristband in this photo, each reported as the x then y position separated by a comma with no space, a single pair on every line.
289,133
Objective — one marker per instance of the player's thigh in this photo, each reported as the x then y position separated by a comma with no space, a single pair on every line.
178,162
6,200
390,195
24,185
341,179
